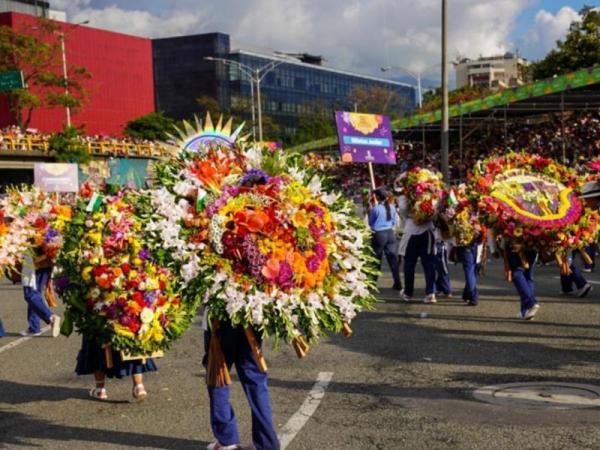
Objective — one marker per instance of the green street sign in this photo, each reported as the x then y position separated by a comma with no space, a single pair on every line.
11,80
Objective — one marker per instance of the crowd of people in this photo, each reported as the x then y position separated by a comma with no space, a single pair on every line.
13,138
543,136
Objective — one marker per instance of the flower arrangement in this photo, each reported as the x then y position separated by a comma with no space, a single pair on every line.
594,165
15,237
424,190
461,215
113,278
531,201
276,252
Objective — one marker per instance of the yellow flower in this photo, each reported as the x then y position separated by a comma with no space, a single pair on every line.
86,273
123,331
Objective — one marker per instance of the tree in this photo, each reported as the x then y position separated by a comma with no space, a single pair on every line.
208,104
379,100
432,100
154,126
580,49
317,122
37,52
67,146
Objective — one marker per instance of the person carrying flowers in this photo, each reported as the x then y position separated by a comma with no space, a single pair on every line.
531,204
418,205
382,220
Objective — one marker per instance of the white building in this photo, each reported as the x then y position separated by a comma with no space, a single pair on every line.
38,8
493,72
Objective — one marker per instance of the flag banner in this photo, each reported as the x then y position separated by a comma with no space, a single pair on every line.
365,138
56,177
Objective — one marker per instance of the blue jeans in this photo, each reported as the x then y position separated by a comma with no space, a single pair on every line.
592,254
1,329
36,307
384,242
467,255
523,278
442,276
567,281
236,349
420,246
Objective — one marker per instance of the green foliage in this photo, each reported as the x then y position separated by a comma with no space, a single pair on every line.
432,100
154,126
67,146
580,49
37,52
379,100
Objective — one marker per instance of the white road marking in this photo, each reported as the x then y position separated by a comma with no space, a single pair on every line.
306,410
591,282
19,341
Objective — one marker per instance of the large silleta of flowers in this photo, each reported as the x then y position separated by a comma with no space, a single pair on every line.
247,233
264,243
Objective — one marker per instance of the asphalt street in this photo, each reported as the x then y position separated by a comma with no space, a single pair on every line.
404,380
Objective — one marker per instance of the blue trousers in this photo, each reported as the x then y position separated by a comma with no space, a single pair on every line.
442,275
420,246
384,242
467,255
1,329
523,278
254,382
36,307
567,281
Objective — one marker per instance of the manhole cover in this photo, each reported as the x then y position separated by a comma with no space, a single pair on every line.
541,395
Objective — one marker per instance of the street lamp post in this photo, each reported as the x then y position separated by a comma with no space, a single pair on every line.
416,75
61,37
445,123
256,76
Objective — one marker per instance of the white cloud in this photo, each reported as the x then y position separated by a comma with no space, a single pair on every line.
547,29
359,35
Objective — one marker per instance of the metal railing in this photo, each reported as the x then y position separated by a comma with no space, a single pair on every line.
33,143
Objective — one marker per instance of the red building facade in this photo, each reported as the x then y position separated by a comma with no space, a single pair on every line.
121,86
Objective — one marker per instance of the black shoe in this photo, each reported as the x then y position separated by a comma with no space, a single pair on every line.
470,303
397,287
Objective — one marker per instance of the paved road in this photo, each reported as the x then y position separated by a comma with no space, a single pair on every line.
401,381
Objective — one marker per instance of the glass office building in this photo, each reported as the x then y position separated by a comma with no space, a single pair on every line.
289,91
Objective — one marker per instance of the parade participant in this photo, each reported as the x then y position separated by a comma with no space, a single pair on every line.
105,362
417,242
468,255
237,351
382,220
574,283
521,266
35,276
443,286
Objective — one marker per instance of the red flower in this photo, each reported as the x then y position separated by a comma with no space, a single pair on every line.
138,298
126,268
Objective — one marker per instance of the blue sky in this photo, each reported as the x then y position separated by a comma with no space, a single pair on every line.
356,35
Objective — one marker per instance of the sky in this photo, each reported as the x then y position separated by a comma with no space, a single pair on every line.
356,35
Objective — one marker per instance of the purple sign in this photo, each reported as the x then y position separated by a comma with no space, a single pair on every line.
365,138
56,177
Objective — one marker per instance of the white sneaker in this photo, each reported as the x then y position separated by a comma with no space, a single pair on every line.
430,299
55,324
585,290
27,333
403,296
216,446
531,312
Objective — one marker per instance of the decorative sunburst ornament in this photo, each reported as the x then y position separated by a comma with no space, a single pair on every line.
197,136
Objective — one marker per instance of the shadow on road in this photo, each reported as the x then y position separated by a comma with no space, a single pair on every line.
16,429
381,334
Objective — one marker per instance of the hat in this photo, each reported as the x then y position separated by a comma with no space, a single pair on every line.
590,189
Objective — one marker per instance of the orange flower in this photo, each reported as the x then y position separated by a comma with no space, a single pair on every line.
271,269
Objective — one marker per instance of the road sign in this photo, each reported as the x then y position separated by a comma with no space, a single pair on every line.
11,80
